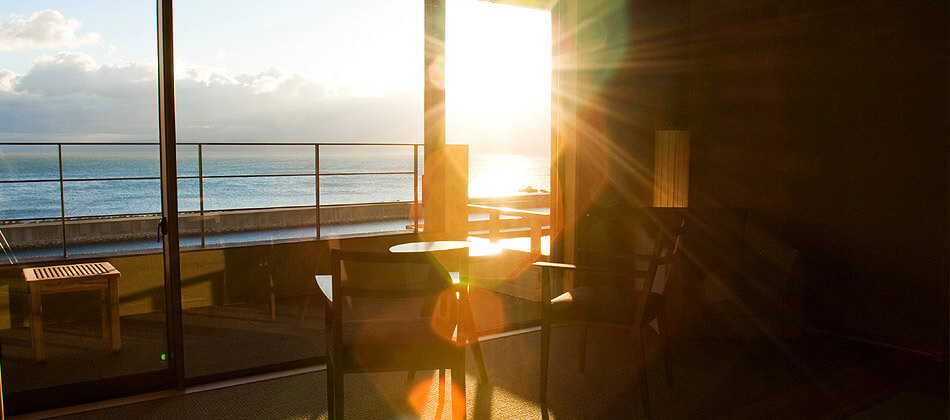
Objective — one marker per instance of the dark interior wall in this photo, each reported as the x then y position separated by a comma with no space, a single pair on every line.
632,80
830,120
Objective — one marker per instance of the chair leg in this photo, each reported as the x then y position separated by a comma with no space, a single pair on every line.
334,373
303,310
582,346
458,390
338,395
664,337
440,406
669,364
471,336
545,356
477,353
334,388
331,407
644,385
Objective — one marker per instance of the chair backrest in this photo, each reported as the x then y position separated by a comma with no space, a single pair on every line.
509,272
394,284
652,278
650,269
671,241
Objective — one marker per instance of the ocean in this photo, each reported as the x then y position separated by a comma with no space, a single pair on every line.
256,184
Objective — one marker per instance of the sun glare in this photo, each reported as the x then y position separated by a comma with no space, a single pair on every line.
494,175
498,60
498,92
497,49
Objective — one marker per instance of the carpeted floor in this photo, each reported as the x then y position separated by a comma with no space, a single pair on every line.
813,377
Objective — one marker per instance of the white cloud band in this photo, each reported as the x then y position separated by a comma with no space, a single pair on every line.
70,95
44,29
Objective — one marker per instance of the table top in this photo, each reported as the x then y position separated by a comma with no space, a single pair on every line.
428,246
475,249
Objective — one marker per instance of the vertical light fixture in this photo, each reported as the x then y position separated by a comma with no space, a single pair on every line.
671,169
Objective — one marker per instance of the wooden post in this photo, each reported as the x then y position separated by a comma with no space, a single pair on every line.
456,191
535,235
434,182
494,226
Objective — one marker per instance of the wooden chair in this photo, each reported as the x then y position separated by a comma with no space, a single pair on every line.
613,288
374,321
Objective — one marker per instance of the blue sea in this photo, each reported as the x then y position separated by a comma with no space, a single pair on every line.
270,176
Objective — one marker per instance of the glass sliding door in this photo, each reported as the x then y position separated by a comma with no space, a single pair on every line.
79,186
297,122
294,125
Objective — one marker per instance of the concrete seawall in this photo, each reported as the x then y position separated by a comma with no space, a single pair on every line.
117,229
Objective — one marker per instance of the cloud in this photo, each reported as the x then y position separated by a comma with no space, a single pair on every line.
8,80
44,29
271,105
69,96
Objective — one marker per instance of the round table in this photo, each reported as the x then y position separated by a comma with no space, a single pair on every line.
475,249
428,246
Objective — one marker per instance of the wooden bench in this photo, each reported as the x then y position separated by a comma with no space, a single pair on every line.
100,276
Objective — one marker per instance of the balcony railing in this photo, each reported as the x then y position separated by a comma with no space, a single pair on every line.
68,184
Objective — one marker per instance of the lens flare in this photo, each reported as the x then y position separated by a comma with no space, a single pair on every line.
427,398
437,73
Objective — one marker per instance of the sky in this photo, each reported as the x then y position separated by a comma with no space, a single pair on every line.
314,70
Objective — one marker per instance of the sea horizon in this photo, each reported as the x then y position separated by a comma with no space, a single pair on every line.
233,178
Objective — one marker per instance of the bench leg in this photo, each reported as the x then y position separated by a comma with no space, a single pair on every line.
114,314
104,315
36,324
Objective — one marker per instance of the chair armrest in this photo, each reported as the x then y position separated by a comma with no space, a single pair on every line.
631,273
545,281
614,257
545,264
595,270
325,283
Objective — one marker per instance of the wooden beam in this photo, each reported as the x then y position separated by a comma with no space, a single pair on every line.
434,181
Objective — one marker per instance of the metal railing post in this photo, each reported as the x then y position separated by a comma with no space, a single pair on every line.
316,186
62,197
415,188
201,193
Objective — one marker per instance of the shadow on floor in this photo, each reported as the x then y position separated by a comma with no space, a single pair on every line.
812,377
